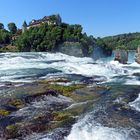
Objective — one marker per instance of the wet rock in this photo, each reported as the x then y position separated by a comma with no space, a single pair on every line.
136,74
59,134
4,121
56,134
44,107
43,118
52,92
19,131
137,56
31,98
94,79
121,56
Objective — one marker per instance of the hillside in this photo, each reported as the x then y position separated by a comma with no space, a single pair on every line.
50,34
129,41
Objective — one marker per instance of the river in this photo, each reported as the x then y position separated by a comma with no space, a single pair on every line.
97,124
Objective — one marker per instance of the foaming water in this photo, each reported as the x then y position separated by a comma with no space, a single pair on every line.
18,67
136,104
90,130
28,67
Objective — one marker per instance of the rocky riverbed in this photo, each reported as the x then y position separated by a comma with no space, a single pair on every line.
47,96
43,106
48,109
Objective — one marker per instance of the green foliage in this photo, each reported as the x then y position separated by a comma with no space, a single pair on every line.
88,43
12,27
1,26
130,41
5,37
106,49
121,47
47,37
52,19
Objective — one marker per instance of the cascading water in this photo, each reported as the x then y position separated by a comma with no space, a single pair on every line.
89,130
28,67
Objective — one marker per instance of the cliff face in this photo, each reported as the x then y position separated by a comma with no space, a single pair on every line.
71,48
100,52
137,56
79,50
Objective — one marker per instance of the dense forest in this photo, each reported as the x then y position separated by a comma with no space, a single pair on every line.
126,41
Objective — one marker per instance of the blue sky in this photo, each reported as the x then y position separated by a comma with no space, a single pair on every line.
98,17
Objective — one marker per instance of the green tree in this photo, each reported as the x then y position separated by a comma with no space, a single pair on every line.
1,26
5,37
48,37
12,27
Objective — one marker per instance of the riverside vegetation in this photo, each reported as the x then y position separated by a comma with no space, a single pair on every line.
49,37
44,37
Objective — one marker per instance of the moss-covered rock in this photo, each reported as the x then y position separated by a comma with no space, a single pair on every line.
18,103
55,80
11,127
4,112
60,116
65,90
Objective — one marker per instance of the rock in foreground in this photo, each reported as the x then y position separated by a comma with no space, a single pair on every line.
121,56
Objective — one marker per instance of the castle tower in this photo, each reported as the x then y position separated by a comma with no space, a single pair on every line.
24,27
59,20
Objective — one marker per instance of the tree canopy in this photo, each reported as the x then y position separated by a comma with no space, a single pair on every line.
129,41
47,37
12,27
1,26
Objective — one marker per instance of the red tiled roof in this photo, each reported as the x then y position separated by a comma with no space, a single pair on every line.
45,18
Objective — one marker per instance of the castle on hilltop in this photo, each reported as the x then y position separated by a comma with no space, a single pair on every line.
53,19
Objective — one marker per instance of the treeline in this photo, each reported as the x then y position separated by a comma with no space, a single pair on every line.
48,37
128,41
6,35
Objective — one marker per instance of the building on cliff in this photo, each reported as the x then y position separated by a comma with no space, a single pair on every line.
53,19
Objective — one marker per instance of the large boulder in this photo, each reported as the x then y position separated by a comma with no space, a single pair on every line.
137,56
121,56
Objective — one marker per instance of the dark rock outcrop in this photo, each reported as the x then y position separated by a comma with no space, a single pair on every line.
137,56
71,48
121,56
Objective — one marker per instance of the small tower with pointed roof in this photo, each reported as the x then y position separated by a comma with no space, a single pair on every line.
24,27
59,20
